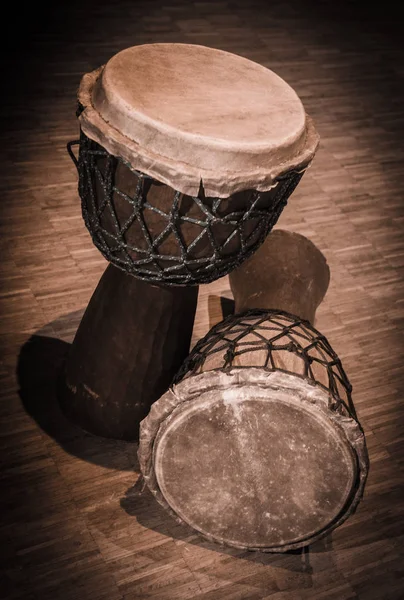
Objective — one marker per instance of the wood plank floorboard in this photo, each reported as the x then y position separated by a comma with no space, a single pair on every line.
75,523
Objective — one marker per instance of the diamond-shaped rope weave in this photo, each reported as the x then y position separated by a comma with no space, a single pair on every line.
162,235
264,338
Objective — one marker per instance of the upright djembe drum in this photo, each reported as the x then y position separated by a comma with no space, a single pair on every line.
257,445
187,156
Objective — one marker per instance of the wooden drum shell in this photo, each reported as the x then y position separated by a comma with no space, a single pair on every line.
158,234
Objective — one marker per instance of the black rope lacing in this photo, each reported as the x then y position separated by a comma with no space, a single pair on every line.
223,236
264,334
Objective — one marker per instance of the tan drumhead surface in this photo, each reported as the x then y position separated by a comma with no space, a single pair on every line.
215,97
198,110
254,470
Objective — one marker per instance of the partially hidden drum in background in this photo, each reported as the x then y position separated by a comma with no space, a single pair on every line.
257,444
187,156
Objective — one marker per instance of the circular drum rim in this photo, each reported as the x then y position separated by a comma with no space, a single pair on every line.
186,175
312,396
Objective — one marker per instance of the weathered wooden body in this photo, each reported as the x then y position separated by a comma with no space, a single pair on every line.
158,234
132,339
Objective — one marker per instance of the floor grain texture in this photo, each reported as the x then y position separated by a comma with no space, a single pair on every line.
74,521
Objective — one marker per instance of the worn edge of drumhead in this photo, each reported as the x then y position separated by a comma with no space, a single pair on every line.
190,388
179,175
272,399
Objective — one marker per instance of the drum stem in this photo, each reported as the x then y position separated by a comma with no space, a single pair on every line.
288,272
131,341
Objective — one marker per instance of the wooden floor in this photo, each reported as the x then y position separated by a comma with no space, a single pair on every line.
74,523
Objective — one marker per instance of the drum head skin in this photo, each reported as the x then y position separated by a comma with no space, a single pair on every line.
258,460
187,114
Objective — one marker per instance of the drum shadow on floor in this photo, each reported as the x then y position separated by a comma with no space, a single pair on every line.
139,503
39,366
218,308
227,305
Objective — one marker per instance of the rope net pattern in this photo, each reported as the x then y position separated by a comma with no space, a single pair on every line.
161,235
272,340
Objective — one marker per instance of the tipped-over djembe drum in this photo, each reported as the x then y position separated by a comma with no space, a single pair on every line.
257,444
187,157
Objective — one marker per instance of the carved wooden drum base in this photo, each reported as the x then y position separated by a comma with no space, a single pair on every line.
132,339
